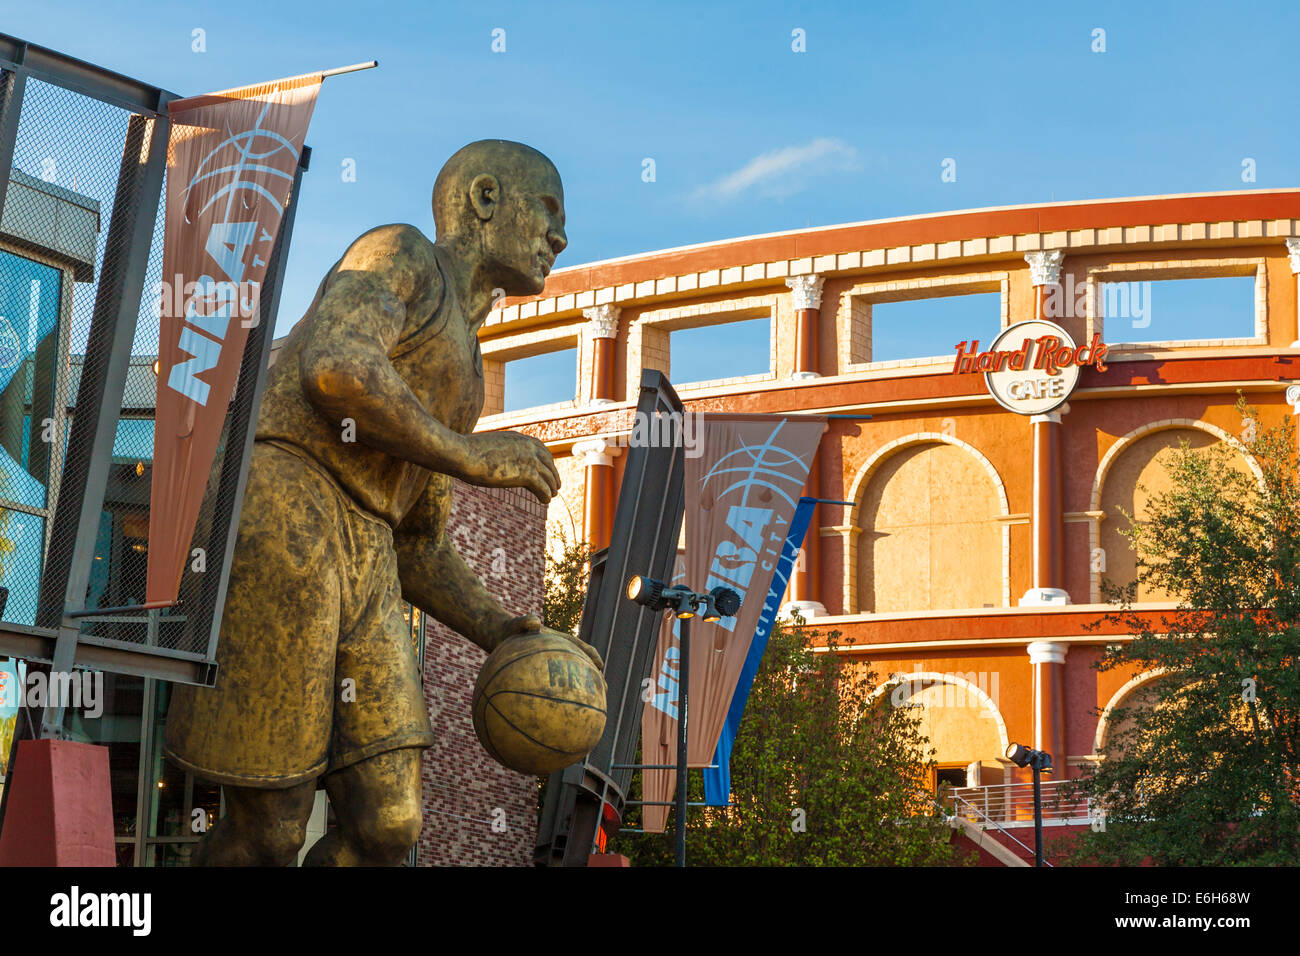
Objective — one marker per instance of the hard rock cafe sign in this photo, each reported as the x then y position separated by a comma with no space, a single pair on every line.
1032,367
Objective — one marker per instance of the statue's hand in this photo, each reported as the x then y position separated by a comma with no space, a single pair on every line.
512,460
532,624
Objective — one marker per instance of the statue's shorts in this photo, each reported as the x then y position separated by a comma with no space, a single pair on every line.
316,666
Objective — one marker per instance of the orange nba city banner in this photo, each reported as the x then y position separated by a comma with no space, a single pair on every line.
231,161
740,496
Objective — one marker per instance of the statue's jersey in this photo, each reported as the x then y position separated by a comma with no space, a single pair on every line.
437,356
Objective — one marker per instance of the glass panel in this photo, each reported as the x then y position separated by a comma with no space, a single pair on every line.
118,727
29,316
21,538
927,328
729,350
12,673
173,794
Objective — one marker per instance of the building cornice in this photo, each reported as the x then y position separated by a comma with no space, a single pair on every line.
860,248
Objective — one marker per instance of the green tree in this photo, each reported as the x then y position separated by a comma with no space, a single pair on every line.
823,773
565,585
1206,773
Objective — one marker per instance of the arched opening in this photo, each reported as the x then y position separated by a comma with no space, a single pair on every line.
1140,472
930,538
960,718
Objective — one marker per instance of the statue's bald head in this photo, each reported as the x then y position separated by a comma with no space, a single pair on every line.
516,167
502,205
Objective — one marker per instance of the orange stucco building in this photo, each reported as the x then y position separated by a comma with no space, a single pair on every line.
974,551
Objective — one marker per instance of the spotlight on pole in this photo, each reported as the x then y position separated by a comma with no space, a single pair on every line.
646,591
721,602
1023,756
682,601
1040,762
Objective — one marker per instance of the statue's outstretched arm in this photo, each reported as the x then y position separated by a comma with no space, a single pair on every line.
344,365
436,579
346,371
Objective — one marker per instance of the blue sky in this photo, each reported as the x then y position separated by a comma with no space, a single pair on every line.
746,135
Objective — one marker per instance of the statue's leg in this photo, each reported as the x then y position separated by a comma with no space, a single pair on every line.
260,828
377,804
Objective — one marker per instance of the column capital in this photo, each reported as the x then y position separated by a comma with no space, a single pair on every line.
807,291
1293,398
1045,266
603,319
807,610
1047,652
1045,597
1293,250
596,451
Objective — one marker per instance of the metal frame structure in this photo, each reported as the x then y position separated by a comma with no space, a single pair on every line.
56,638
589,798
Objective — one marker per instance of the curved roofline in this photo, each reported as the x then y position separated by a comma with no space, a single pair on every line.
1176,208
920,217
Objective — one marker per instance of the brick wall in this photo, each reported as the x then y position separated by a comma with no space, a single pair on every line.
501,535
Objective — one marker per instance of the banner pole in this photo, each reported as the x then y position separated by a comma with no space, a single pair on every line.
684,672
354,68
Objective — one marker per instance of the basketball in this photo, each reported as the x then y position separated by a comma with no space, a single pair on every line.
539,704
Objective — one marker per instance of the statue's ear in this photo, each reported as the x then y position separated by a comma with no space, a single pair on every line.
484,194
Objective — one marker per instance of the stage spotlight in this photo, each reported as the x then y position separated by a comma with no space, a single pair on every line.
646,591
721,602
1041,763
1027,757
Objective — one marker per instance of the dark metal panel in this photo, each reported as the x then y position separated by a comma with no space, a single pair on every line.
647,525
82,77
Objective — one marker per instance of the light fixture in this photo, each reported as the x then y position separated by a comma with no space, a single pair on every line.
716,604
721,602
1023,756
645,591
1040,762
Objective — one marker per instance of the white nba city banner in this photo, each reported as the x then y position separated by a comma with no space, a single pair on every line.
741,494
231,161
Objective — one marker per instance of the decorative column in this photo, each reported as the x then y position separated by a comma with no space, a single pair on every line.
603,330
1293,251
598,456
1048,524
1293,399
807,295
1047,658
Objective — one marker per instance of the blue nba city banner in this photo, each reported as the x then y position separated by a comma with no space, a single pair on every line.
717,778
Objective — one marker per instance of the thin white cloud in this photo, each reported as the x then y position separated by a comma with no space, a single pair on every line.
783,172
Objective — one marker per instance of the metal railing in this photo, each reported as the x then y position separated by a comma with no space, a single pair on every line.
1013,803
964,808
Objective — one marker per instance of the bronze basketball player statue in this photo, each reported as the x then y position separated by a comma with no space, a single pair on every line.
368,414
